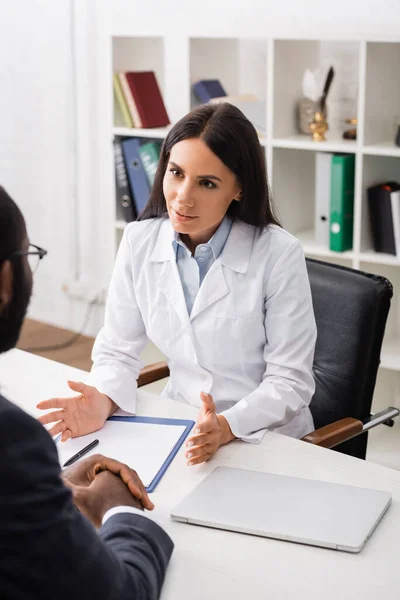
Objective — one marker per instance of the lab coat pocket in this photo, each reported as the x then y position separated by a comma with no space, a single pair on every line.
231,340
164,329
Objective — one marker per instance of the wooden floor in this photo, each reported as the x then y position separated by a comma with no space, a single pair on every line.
35,334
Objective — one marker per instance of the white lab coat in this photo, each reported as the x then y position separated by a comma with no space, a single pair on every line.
249,340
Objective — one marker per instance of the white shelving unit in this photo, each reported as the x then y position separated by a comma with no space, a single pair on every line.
366,86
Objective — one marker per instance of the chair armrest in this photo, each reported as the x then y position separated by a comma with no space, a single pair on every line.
335,433
384,416
152,373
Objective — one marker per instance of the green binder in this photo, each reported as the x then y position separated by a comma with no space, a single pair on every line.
150,153
342,202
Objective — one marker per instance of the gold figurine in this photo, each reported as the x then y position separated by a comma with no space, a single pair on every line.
318,127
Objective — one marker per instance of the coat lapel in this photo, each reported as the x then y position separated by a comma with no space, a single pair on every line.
170,285
235,256
168,280
213,288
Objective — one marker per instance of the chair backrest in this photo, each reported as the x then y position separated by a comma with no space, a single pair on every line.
351,309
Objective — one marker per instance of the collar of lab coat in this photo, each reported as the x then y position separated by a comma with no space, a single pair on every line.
236,253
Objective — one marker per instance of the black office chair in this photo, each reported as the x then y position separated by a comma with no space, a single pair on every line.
351,308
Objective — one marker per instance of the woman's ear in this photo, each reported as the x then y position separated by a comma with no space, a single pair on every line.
6,284
239,196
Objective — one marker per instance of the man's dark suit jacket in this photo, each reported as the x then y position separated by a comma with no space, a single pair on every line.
47,548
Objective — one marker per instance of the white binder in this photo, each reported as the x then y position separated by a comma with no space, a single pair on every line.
323,161
395,202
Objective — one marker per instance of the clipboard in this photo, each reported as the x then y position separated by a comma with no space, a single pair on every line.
148,450
161,421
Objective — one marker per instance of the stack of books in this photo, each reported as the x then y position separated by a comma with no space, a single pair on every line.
136,163
384,212
334,200
139,99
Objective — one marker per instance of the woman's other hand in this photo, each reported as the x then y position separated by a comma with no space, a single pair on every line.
210,432
77,415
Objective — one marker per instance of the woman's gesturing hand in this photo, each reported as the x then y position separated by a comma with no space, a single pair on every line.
77,415
210,432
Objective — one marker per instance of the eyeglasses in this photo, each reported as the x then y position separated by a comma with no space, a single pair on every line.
34,254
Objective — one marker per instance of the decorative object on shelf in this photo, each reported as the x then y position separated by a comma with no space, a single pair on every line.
318,127
328,83
351,134
206,89
306,110
313,101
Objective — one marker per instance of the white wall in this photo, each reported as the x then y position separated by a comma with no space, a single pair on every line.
48,109
279,18
38,138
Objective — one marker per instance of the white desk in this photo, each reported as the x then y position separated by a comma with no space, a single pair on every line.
208,563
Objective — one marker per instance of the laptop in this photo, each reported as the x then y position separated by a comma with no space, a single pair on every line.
306,511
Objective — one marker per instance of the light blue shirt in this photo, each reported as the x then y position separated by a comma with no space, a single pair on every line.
193,268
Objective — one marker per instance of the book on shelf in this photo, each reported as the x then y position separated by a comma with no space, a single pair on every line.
150,154
206,89
342,202
130,102
146,99
120,102
123,192
323,167
382,216
139,184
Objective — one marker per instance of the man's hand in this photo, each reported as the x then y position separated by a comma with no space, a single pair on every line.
105,492
84,472
210,432
77,415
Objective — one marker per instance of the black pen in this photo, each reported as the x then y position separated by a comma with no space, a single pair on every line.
79,454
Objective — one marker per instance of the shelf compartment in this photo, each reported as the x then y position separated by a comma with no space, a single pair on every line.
228,60
382,93
313,249
138,54
390,354
380,258
294,56
382,149
376,169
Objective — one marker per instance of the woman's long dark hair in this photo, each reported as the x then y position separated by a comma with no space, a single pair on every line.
231,137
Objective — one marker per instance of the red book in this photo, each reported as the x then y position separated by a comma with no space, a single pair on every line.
147,97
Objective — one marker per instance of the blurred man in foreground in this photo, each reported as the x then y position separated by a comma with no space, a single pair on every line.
48,548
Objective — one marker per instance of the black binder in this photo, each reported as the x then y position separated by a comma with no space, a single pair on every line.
123,192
